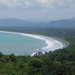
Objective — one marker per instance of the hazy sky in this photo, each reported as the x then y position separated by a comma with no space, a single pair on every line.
37,9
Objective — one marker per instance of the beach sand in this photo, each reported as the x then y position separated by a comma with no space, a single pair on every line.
61,40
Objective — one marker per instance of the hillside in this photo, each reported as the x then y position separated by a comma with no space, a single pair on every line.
73,18
18,22
14,22
62,23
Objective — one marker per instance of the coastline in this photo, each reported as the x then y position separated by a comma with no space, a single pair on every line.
47,39
65,45
61,40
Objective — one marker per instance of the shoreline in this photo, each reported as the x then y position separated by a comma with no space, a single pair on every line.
47,39
61,40
64,42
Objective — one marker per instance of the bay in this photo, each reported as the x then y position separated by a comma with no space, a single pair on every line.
19,44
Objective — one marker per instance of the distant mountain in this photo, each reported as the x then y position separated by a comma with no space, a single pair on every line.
73,18
18,22
62,23
15,22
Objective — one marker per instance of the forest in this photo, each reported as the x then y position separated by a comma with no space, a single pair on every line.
58,62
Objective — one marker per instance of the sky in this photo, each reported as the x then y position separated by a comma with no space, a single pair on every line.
37,9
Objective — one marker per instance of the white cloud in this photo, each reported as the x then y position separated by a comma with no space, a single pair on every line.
61,3
28,3
42,1
10,3
56,3
4,2
36,3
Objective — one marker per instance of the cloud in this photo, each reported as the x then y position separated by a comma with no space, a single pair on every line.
28,3
51,3
56,3
42,1
12,4
37,8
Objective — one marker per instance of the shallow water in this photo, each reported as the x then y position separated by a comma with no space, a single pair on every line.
19,44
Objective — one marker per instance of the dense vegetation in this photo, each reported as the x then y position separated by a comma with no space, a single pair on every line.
58,62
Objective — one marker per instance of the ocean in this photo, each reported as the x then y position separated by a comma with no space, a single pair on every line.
26,44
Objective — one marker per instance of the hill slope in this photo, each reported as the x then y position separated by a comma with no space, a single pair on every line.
62,23
18,22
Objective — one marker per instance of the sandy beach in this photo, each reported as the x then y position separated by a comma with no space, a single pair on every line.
61,40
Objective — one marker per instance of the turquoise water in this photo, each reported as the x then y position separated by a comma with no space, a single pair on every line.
19,44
